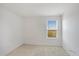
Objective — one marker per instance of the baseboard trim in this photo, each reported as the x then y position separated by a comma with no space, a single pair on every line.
42,45
70,52
13,49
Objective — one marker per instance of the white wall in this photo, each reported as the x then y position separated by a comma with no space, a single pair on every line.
10,31
71,31
35,31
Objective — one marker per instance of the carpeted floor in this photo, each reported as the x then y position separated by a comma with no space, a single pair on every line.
36,50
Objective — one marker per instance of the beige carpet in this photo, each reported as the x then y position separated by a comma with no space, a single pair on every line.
35,50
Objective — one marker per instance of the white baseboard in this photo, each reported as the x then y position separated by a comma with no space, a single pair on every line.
42,45
70,52
13,48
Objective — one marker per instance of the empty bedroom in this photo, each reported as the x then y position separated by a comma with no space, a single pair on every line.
39,29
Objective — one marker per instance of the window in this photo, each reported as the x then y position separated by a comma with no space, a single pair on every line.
52,29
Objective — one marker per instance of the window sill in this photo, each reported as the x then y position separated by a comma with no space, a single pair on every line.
51,38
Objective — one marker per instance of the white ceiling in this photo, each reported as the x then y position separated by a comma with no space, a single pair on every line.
40,9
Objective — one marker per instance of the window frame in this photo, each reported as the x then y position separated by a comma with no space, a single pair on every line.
52,29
